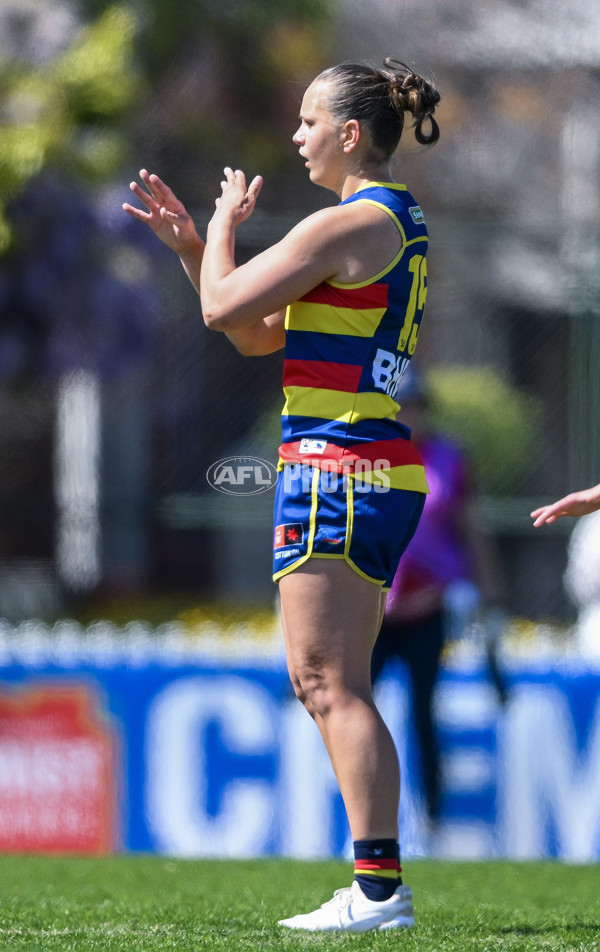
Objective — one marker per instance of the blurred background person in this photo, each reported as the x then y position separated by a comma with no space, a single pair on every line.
448,574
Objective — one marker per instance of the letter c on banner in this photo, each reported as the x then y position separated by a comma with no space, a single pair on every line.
177,768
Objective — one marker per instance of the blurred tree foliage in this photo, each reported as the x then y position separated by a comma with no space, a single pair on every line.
181,89
494,420
61,113
180,85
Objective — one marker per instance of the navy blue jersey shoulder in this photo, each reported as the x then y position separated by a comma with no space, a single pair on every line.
398,200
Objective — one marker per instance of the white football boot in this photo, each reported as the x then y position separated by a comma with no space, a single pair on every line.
351,911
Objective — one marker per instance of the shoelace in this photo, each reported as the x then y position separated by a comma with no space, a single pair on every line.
341,898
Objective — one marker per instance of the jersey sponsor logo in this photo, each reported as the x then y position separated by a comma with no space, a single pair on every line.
290,534
387,370
416,214
312,446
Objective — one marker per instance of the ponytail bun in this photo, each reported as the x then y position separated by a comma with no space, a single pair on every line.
409,92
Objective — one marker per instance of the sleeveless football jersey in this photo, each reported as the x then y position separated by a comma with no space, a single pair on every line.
347,346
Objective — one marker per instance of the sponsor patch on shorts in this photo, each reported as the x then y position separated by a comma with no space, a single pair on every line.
290,534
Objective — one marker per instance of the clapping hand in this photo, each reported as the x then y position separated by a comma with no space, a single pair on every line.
237,201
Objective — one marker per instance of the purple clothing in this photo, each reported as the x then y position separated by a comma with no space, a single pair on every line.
437,554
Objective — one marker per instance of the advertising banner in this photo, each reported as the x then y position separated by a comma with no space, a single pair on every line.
132,744
59,769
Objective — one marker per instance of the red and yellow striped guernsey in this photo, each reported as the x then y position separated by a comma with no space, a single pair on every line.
347,346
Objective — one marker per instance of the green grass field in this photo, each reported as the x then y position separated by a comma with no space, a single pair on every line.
129,903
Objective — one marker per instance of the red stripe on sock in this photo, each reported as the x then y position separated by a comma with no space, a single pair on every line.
375,864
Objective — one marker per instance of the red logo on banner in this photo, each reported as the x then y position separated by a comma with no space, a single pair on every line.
58,789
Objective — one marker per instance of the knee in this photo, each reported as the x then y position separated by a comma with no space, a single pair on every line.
298,689
306,694
318,692
307,684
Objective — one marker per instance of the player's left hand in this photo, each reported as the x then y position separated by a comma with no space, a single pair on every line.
237,201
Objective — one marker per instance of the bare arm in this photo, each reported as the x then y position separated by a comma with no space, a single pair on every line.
264,337
171,223
580,503
333,243
248,302
234,298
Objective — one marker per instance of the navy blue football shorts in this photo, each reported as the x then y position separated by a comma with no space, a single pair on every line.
324,515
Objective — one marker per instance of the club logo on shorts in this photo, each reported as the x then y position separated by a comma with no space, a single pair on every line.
290,534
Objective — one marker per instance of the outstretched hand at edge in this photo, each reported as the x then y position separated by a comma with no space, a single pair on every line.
580,503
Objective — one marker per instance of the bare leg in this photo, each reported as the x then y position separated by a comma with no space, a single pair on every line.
331,617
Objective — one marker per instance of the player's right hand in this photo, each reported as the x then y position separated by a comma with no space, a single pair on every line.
165,215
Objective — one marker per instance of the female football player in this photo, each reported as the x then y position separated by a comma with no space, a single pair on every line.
344,293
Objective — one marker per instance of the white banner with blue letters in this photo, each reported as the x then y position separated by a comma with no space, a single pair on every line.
140,742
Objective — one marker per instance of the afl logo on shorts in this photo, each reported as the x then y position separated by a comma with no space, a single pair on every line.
290,534
242,475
